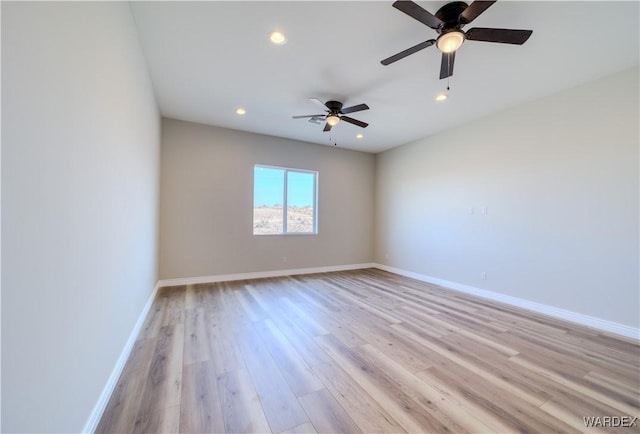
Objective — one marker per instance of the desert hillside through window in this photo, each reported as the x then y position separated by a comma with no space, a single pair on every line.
284,201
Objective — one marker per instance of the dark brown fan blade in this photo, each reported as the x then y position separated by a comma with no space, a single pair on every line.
355,108
418,13
327,127
446,67
473,10
408,51
307,116
503,36
354,121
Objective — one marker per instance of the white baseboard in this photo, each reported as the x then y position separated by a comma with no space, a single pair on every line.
567,315
260,274
101,405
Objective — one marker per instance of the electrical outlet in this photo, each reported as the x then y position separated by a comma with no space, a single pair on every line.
483,275
284,259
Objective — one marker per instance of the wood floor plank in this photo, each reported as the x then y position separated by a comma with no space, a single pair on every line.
305,428
295,370
280,405
629,390
551,352
325,319
140,356
317,291
549,373
326,414
166,420
241,409
200,408
390,341
257,292
524,381
436,404
164,381
370,416
411,311
226,355
439,304
308,349
450,353
252,308
407,412
518,415
196,338
195,296
573,414
175,299
232,312
153,321
304,318
488,342
424,323
364,351
120,414
336,297
470,406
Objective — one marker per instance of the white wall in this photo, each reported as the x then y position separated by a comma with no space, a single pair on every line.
206,205
559,178
80,165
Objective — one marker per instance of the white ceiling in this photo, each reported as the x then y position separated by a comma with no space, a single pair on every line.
208,58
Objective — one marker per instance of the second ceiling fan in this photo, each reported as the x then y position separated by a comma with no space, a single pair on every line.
334,113
448,23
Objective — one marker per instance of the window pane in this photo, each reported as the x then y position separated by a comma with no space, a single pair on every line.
268,199
300,202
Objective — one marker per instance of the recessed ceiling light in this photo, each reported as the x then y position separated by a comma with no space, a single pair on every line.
441,97
359,136
278,38
240,111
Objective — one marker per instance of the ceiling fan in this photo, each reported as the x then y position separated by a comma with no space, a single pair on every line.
448,23
334,114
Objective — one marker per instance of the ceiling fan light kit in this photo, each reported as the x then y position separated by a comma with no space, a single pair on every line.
333,120
450,41
277,38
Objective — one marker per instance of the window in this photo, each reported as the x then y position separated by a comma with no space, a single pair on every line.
284,201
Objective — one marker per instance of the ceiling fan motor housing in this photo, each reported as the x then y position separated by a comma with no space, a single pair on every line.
334,107
450,15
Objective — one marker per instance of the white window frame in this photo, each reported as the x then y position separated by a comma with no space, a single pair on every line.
284,199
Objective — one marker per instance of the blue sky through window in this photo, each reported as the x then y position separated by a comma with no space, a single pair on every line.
269,187
299,189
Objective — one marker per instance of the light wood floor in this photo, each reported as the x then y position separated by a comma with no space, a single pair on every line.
364,351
